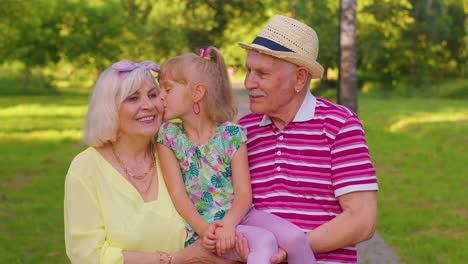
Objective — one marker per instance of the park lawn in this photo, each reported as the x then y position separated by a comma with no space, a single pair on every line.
417,145
39,135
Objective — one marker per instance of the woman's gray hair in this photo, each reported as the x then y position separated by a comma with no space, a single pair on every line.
102,120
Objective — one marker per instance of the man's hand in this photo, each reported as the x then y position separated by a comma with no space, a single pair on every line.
279,257
226,238
242,247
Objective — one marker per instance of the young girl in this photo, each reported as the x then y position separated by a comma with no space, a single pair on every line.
204,162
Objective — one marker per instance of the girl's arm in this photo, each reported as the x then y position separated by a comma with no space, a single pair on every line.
242,200
242,189
173,177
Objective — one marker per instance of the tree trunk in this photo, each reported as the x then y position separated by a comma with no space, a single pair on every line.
347,65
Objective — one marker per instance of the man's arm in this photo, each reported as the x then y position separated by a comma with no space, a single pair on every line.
355,224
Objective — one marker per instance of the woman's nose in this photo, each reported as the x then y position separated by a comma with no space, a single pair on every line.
147,103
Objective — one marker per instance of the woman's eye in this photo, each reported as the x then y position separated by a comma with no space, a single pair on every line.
153,95
132,98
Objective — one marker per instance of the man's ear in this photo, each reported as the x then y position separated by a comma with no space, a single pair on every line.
302,77
198,92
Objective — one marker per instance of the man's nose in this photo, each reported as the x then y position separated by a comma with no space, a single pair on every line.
250,81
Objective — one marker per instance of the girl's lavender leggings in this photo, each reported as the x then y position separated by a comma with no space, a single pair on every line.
266,232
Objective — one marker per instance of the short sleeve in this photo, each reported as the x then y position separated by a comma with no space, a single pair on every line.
234,136
352,169
167,134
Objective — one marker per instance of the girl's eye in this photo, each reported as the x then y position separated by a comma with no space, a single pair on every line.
153,95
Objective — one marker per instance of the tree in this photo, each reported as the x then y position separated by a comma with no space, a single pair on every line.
347,95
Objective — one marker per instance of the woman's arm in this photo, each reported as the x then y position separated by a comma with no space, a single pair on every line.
172,176
193,254
84,228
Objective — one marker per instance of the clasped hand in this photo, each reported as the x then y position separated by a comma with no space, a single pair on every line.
219,237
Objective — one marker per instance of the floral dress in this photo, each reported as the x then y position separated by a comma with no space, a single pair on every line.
206,168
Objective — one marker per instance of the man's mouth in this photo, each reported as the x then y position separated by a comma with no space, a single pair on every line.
256,93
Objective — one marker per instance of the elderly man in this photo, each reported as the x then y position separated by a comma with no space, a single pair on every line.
309,160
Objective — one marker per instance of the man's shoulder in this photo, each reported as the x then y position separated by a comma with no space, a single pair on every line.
327,108
250,120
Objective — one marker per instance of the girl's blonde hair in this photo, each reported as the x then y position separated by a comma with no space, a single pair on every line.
190,69
102,120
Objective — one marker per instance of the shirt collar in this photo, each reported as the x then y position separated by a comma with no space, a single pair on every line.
306,111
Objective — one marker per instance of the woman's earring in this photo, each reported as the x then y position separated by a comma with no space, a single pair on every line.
196,108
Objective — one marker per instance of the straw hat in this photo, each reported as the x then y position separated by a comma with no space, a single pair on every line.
290,40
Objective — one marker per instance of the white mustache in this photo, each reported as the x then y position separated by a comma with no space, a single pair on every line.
256,92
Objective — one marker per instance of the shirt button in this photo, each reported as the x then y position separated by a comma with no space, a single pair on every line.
278,168
281,137
278,153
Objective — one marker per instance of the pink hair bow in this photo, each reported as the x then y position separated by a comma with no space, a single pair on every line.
127,66
204,53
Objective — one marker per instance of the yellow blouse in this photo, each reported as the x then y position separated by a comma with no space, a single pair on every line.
104,214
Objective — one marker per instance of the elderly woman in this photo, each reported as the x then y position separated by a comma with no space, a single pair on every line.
117,208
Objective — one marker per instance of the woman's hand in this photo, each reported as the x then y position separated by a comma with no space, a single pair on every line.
197,254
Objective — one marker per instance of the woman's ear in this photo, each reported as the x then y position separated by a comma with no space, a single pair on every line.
198,92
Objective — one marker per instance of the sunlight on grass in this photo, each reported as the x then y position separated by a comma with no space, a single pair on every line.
43,110
44,135
425,118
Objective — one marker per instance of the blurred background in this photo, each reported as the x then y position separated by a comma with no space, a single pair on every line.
411,63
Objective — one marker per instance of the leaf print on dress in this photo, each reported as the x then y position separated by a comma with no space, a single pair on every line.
219,215
227,174
194,171
207,197
196,158
216,181
232,130
201,207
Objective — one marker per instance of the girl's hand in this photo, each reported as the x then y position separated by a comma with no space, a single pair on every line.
209,237
226,239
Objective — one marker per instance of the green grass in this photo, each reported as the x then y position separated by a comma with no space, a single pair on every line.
417,145
419,149
39,135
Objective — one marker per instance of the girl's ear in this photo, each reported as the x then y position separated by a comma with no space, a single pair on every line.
198,92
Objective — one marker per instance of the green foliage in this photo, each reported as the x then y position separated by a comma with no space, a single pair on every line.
398,42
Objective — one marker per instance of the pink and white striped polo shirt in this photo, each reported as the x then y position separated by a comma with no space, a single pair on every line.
298,172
